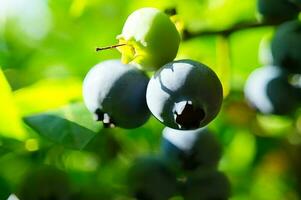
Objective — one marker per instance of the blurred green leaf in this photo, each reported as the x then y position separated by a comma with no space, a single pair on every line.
201,49
10,119
9,145
79,114
240,153
223,63
210,14
3,151
244,54
110,145
60,130
80,161
43,96
71,126
275,126
5,190
271,179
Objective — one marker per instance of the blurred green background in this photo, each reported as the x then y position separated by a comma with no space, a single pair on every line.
47,47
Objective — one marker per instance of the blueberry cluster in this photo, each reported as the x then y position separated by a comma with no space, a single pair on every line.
275,88
182,94
187,168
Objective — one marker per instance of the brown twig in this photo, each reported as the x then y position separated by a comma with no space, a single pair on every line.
237,27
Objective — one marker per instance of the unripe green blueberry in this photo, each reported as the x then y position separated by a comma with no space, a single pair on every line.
208,185
286,46
150,179
115,94
276,11
268,90
191,149
150,37
184,94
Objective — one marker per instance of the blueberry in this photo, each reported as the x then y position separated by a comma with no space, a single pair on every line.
209,185
45,183
184,94
276,11
190,149
150,179
286,46
115,93
151,39
268,90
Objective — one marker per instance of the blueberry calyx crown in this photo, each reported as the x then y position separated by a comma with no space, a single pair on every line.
105,118
188,116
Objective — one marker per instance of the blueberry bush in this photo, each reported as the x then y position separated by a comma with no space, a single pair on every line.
150,100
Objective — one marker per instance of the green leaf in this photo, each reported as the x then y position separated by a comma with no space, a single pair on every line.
79,114
8,145
274,126
244,54
60,130
223,68
210,14
48,94
71,126
10,119
3,151
240,152
5,190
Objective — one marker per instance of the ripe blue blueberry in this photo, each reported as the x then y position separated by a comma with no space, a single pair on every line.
268,90
190,149
206,186
277,10
115,93
184,94
150,179
286,46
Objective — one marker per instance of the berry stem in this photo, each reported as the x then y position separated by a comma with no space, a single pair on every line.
109,47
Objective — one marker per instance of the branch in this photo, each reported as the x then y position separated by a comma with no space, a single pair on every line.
238,27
